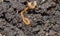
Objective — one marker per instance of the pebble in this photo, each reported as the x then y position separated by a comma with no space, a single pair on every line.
1,0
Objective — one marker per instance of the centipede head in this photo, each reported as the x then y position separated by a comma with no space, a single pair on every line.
32,5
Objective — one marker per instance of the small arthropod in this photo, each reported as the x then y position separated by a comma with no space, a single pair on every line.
30,5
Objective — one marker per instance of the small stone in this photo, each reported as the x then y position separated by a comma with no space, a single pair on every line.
0,34
1,0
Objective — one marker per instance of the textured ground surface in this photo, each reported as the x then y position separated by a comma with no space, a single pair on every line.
45,18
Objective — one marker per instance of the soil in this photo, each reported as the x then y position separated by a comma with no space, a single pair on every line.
45,18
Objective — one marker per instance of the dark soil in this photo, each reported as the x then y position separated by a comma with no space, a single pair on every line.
45,18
